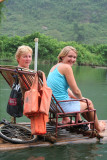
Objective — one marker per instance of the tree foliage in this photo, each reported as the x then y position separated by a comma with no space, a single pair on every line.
49,48
1,6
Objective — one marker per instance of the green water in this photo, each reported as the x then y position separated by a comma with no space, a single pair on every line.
93,84
64,152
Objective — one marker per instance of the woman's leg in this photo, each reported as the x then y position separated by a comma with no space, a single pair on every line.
66,120
68,107
99,126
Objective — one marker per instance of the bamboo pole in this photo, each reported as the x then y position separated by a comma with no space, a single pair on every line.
36,54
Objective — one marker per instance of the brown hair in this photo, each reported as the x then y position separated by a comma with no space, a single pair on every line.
65,51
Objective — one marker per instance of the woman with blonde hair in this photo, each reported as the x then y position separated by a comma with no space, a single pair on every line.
24,56
64,87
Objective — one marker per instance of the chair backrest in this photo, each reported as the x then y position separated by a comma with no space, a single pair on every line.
26,78
54,105
8,74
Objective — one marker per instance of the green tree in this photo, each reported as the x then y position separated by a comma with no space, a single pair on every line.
1,6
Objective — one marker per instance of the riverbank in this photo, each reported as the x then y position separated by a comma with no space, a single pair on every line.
101,67
45,62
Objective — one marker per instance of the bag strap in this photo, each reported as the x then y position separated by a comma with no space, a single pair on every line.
44,79
16,79
35,82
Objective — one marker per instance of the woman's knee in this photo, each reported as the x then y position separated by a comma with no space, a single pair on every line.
91,106
83,106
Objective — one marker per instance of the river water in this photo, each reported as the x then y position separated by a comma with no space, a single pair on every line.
93,84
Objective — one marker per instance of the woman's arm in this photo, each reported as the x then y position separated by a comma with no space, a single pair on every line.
71,94
68,73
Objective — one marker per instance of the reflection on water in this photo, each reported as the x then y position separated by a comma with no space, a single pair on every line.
64,152
34,158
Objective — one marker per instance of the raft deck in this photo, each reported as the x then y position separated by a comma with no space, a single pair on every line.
65,137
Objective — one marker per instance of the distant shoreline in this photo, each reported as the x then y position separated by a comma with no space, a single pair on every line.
47,62
102,67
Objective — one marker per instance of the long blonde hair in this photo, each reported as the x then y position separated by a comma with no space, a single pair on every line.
65,51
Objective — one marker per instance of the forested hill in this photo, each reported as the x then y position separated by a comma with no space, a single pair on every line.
84,21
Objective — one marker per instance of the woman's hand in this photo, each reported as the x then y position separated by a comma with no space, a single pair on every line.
88,100
71,95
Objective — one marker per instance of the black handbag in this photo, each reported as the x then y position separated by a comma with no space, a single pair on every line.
15,102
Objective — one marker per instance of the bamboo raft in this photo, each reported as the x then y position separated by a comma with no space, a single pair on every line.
65,137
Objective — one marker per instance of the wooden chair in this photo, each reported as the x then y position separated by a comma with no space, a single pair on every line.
56,112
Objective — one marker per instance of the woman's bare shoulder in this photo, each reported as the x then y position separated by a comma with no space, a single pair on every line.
53,68
63,65
64,68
